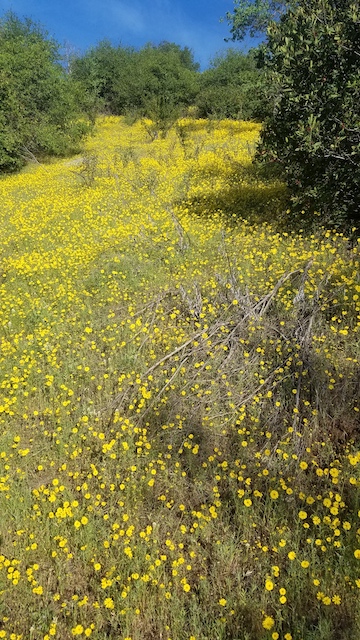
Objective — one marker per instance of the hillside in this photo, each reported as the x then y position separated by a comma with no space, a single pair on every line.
179,440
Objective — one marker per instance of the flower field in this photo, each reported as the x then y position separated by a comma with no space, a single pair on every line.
179,399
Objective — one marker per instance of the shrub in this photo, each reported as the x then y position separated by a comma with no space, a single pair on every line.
40,112
314,130
233,87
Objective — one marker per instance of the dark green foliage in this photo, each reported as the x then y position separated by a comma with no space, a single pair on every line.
233,87
107,72
39,103
314,131
156,82
168,81
160,82
255,16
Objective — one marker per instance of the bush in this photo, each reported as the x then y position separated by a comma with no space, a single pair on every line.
233,87
314,130
156,82
40,104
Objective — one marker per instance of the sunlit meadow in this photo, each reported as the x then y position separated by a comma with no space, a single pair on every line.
179,443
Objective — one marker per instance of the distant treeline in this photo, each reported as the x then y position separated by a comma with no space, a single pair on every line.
49,101
164,80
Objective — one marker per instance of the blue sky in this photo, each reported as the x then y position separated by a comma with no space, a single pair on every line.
83,23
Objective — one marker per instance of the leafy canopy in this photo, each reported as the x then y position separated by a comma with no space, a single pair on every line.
255,16
233,87
313,133
39,103
126,80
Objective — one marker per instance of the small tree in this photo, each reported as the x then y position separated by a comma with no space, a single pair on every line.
167,82
40,111
233,87
156,81
312,58
314,131
107,72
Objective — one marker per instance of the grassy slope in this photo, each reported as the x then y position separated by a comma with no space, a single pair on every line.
179,445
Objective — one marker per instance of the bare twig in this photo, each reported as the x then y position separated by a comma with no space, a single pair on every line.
28,155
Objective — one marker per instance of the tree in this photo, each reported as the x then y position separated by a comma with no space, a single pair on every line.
107,72
39,104
167,81
313,134
185,55
233,87
255,16
155,81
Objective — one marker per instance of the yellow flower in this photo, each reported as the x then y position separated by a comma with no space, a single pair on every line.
222,602
78,630
109,603
305,564
274,494
268,622
291,555
269,585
